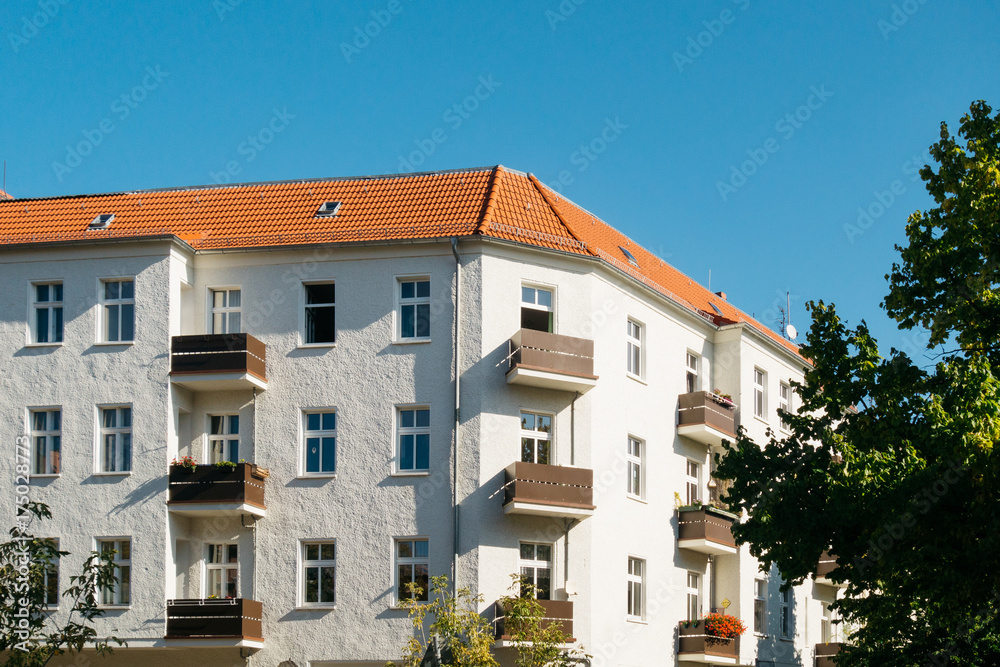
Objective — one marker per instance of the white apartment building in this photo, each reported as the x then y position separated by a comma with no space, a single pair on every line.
458,373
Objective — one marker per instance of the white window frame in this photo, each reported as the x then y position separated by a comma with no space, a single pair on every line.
786,622
304,313
635,455
759,394
636,598
416,302
226,437
52,443
536,564
320,563
120,596
415,561
105,305
415,431
319,433
536,435
692,371
784,403
225,311
635,333
535,305
121,434
693,595
692,482
222,567
47,574
760,606
52,306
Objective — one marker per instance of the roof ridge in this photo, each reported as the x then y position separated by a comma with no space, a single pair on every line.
489,200
538,185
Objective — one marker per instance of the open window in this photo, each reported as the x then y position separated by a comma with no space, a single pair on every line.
537,309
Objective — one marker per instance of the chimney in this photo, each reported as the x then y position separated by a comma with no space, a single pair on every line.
721,295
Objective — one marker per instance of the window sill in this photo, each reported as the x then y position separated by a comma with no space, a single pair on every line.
112,343
317,475
317,607
410,473
44,344
638,379
638,499
408,341
637,621
114,607
105,473
46,475
315,346
761,420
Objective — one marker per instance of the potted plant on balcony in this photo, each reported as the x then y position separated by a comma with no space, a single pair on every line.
723,626
722,399
225,466
187,462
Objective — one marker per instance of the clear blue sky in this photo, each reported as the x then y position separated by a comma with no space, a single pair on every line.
636,111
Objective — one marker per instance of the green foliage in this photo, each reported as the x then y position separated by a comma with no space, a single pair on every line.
537,644
30,637
893,466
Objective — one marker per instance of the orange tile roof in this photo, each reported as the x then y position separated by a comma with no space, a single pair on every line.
489,201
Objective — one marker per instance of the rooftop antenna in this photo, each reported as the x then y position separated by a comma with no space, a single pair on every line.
785,321
710,280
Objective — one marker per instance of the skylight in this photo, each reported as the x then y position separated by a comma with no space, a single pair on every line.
102,221
715,308
629,256
328,209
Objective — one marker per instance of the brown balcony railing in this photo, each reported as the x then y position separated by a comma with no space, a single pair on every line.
555,611
706,529
214,619
825,653
827,564
208,484
694,645
546,490
706,417
542,359
217,354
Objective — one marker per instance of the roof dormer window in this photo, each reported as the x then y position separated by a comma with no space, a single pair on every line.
328,209
629,256
102,221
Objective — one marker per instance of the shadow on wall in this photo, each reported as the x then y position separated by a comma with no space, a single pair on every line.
142,494
772,649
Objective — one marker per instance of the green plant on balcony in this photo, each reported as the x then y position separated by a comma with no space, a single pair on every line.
722,399
225,466
187,462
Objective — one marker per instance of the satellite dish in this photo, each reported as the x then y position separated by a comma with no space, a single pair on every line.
791,331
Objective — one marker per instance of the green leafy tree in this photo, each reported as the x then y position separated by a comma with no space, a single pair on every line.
29,637
537,643
892,465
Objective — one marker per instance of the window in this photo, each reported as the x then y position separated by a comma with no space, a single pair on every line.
414,431
319,569
320,322
320,442
50,577
47,307
224,438
692,482
693,596
536,438
223,571
411,568
828,628
692,373
536,569
636,484
634,343
784,394
759,395
46,434
760,606
118,306
414,309
786,614
116,439
226,305
536,309
636,577
121,592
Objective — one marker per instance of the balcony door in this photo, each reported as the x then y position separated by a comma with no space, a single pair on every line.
222,571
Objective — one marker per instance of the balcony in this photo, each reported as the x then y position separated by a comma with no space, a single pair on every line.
550,361
555,611
825,653
695,646
707,530
827,564
210,491
544,490
215,623
706,418
217,362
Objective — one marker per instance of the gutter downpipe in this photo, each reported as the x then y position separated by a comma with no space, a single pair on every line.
458,384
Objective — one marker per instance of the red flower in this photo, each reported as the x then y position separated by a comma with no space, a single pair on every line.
720,625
